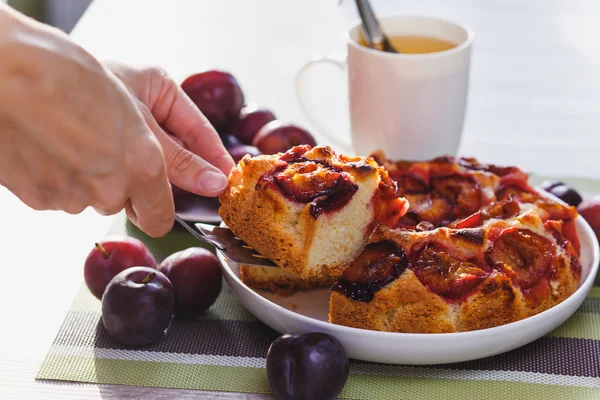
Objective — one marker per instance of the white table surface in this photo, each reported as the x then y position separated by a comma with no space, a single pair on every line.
534,101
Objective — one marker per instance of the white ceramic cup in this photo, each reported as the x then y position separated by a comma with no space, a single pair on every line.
412,106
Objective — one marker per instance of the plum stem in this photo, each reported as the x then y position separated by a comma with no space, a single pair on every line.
149,277
102,250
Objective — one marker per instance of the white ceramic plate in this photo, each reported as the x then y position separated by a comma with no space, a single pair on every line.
307,312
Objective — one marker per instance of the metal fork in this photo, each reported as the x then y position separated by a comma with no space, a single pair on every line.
230,246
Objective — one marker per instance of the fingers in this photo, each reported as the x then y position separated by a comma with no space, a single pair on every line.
130,213
171,107
187,122
76,202
151,201
176,140
173,110
109,195
185,169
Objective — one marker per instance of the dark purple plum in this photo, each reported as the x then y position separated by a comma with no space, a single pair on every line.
178,192
229,140
562,191
311,366
279,137
111,256
238,152
590,211
138,306
251,120
548,185
217,94
196,277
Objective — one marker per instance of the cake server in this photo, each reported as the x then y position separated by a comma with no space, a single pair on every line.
230,246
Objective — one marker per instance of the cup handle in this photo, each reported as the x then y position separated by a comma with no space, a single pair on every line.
307,106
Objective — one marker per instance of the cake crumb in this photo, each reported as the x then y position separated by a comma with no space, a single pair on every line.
293,306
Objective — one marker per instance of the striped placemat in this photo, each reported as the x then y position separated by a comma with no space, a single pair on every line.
225,349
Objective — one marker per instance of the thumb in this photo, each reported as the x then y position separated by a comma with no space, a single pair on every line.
184,168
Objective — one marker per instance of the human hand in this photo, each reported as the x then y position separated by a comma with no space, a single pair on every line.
71,135
196,159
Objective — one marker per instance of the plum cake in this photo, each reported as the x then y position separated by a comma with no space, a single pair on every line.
310,210
477,248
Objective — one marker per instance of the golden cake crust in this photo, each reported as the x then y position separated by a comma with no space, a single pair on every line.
277,279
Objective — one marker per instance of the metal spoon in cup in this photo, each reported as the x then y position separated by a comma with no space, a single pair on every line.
372,32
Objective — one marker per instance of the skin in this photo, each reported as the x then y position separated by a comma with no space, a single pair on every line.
76,133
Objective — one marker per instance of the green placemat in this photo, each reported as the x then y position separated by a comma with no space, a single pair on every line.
225,350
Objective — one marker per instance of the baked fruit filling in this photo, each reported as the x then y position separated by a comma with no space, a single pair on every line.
382,262
435,198
379,264
327,185
446,275
463,193
318,184
388,204
522,255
